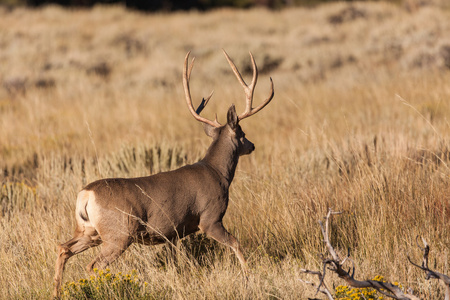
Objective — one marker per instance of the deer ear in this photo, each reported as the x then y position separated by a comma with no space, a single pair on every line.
210,131
232,118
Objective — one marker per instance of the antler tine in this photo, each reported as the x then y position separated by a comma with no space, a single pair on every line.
249,89
203,103
190,66
267,101
186,77
238,74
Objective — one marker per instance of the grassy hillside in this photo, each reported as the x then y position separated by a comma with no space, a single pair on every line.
359,123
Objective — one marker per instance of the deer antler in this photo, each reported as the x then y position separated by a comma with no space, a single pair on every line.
249,110
195,112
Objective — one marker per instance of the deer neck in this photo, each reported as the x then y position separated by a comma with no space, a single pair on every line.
223,157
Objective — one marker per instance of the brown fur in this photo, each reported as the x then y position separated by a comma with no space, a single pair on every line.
170,205
151,210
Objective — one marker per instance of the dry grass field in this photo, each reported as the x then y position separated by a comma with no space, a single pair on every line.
360,122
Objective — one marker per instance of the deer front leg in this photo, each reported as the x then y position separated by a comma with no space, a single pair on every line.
220,234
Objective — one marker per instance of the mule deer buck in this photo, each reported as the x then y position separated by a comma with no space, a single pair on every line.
151,210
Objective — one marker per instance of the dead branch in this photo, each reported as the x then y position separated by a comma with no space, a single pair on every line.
336,265
430,273
321,287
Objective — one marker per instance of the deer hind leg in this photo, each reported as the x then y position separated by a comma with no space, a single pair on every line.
82,240
111,250
220,234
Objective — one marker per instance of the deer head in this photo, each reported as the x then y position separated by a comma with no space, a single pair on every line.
232,127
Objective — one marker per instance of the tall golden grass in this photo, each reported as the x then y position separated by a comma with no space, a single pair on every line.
359,123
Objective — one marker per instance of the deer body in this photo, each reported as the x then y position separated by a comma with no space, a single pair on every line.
117,212
161,207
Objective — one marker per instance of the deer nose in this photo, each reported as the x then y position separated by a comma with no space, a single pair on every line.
248,147
251,148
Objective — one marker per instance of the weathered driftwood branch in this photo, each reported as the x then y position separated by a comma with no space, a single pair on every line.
335,264
430,273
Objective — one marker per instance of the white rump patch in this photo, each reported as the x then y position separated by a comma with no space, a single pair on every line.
85,212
